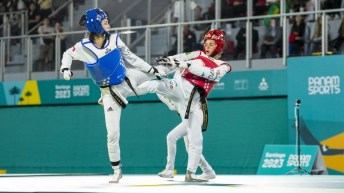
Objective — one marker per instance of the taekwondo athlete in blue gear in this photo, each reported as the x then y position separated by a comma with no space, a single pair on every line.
103,54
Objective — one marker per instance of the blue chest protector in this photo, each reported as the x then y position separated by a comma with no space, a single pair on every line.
108,70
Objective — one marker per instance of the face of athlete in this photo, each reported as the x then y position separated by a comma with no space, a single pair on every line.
106,25
209,47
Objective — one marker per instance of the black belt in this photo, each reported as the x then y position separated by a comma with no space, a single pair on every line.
130,85
116,97
204,106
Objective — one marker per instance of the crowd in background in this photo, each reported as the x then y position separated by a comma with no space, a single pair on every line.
41,20
304,36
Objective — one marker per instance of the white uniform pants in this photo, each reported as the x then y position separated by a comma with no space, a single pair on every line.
190,128
191,131
112,110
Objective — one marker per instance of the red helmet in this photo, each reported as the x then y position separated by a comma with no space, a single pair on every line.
218,36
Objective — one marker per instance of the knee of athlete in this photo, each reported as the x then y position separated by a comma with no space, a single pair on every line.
196,144
172,138
112,139
148,87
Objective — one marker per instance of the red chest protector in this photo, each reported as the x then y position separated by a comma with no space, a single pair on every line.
204,83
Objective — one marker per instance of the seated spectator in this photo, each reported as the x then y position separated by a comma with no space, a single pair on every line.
241,40
272,39
296,36
46,54
315,41
336,44
189,41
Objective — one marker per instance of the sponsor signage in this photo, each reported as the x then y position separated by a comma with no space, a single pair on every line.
77,91
317,82
252,84
283,159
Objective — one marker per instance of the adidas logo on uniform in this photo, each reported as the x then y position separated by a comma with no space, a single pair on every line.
109,109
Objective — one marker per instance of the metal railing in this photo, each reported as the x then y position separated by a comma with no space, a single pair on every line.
67,3
9,19
30,73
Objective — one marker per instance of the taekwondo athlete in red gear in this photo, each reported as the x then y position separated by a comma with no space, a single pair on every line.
103,54
196,74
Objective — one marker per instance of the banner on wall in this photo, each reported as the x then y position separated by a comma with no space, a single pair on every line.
34,92
283,159
78,91
316,81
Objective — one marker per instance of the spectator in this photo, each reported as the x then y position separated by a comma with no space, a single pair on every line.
239,7
34,17
260,7
21,5
13,19
60,15
241,40
63,37
46,54
274,9
310,6
297,6
2,10
307,38
176,11
189,41
332,4
233,8
315,41
296,36
210,14
336,44
45,7
200,41
228,46
272,39
10,5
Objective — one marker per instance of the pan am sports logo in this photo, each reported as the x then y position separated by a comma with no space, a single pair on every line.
323,85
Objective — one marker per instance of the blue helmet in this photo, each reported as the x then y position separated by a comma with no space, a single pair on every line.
94,17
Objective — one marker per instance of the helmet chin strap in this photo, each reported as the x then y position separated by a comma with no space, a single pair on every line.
214,53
